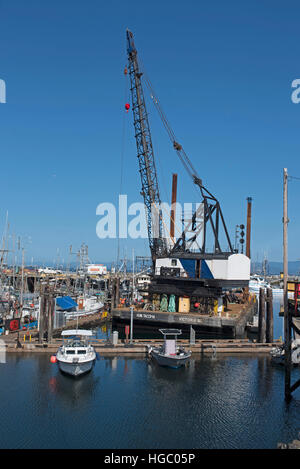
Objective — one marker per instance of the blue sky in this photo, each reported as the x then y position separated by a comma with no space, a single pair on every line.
223,72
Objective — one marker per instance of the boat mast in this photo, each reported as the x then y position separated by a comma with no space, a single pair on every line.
22,285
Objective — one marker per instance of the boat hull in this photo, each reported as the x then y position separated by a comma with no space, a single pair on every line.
75,369
170,361
75,315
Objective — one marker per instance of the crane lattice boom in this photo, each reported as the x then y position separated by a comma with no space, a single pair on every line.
150,188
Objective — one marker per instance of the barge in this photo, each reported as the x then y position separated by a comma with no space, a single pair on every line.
229,324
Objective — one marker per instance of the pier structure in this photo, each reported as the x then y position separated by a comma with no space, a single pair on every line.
139,347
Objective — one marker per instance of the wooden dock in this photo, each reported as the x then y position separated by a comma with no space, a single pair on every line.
140,347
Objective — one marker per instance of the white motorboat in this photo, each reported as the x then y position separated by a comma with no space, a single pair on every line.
256,283
76,356
169,354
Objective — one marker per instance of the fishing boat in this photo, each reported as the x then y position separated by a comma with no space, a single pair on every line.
256,283
87,305
169,354
278,353
76,356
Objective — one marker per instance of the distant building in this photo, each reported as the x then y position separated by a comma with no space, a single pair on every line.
47,270
96,269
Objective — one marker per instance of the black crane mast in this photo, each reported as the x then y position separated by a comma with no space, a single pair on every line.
150,188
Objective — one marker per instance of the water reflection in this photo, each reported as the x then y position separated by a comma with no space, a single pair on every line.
74,392
169,375
214,402
217,401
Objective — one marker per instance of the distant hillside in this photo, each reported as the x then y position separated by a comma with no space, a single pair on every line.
273,268
277,267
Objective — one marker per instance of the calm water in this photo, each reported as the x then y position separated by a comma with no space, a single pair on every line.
222,402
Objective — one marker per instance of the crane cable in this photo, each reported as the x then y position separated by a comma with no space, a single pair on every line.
126,93
180,151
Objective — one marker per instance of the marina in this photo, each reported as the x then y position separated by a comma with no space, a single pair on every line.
251,383
148,299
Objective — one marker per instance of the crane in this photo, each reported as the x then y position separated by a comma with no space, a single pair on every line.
180,269
207,213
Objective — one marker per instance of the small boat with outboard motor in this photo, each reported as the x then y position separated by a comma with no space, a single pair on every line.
170,354
278,353
76,356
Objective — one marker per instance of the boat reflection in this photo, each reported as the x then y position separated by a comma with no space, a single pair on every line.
74,393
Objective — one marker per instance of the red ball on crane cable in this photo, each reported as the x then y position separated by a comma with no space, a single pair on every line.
127,107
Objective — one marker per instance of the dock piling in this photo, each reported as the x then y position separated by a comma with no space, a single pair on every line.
262,316
269,317
131,324
42,318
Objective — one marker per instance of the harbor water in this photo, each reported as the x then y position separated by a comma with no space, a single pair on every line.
216,402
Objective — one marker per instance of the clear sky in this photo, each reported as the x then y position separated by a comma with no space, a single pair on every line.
223,72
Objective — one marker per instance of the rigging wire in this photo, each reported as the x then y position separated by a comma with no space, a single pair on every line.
123,144
124,129
186,162
184,158
179,150
166,191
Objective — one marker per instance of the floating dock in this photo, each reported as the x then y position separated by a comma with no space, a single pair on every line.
140,346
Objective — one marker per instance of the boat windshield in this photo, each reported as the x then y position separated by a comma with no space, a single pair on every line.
76,342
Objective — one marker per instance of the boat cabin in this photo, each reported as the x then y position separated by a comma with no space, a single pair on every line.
76,342
170,340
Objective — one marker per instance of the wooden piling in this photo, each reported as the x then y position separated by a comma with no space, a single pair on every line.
117,299
42,318
262,316
50,311
113,294
269,317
